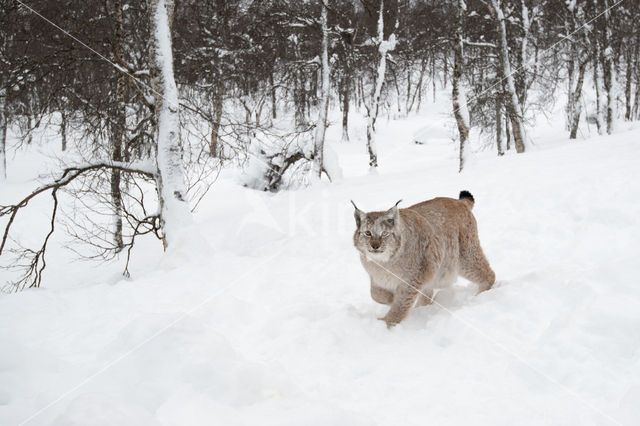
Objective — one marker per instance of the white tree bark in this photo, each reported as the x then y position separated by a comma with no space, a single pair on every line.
174,213
118,125
457,97
373,107
321,125
512,104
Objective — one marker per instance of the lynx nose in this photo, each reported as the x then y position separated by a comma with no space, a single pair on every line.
375,245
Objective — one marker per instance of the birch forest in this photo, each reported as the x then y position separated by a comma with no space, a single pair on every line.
147,101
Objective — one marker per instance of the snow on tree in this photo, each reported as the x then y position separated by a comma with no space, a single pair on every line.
321,124
512,104
457,95
373,105
172,191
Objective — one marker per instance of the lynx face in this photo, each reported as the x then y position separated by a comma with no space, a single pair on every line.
377,234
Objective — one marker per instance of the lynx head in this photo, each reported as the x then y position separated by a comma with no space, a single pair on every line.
377,234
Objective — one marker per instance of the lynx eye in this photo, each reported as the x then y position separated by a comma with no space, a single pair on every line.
367,233
385,234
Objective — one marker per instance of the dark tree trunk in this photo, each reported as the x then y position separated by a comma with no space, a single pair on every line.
607,66
346,91
214,148
63,128
627,85
4,120
576,101
499,123
418,89
274,108
300,100
596,80
118,132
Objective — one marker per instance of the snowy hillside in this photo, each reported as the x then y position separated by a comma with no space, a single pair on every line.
270,320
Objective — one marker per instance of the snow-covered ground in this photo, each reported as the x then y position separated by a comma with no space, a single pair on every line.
271,321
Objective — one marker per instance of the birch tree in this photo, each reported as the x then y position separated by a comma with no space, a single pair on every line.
457,98
578,59
4,122
118,126
321,125
512,105
607,59
172,191
373,106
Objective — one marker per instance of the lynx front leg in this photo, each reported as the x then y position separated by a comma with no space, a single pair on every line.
404,298
381,295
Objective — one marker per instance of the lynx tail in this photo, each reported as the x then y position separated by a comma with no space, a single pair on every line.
466,196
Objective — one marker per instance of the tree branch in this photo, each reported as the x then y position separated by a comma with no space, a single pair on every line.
35,267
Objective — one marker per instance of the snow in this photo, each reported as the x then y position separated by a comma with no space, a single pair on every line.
273,323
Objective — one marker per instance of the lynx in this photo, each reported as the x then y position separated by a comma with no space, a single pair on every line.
410,252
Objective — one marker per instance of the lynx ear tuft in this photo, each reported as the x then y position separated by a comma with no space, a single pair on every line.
399,201
358,214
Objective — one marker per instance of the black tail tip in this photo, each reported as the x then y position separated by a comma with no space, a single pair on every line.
467,195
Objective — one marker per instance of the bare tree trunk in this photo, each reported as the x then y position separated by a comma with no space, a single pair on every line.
372,109
636,104
636,72
499,123
445,68
433,80
628,82
408,98
607,67
598,87
4,122
321,124
571,71
461,120
117,133
576,101
63,129
507,132
300,101
29,125
521,65
274,108
398,95
418,89
214,149
172,191
512,105
346,91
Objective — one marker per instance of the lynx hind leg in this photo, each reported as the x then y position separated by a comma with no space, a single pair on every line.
475,267
381,295
425,298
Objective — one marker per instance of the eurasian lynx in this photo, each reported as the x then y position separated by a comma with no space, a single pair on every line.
410,252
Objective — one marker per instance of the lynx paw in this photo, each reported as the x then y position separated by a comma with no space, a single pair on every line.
390,323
